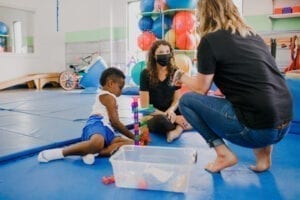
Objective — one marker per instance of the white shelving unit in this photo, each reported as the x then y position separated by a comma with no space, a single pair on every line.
285,16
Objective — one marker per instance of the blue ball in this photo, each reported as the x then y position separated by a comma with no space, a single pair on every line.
2,41
3,29
188,4
157,26
145,23
147,5
136,71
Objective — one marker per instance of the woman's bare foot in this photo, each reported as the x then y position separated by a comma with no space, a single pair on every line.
180,120
172,135
225,158
263,159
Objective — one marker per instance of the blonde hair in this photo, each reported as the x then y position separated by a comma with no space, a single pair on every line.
214,15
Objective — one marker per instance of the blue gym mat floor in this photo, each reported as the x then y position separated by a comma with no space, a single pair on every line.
35,120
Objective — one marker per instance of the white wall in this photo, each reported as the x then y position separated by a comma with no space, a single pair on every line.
92,14
49,46
257,7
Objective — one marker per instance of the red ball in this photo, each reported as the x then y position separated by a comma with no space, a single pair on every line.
145,40
184,21
186,41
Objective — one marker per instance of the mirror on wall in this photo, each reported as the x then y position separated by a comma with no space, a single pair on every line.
16,30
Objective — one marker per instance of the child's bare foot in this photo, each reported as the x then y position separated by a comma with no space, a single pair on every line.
263,159
225,158
172,135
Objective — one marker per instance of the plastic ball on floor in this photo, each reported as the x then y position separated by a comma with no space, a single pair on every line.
88,159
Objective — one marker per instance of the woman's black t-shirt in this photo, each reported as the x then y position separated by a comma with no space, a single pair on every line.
245,71
160,95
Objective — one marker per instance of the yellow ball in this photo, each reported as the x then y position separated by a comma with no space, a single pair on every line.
170,37
183,62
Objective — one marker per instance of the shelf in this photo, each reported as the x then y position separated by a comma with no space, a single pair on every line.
1,35
167,12
172,11
184,51
285,16
151,13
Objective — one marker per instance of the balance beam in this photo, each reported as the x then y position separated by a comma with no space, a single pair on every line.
32,80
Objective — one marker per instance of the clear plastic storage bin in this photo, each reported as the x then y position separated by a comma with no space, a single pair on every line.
153,167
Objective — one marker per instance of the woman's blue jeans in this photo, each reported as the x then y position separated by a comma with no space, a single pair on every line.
215,119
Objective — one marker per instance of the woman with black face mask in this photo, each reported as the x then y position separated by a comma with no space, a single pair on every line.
156,89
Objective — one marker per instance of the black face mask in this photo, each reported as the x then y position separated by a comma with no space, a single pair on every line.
163,59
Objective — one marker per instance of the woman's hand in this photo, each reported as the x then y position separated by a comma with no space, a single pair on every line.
171,115
176,77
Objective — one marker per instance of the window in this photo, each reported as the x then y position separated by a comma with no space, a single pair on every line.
133,30
20,37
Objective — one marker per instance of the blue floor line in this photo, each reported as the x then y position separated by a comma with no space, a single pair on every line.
31,151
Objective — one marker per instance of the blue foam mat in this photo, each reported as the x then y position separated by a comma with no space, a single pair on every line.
31,120
71,179
25,130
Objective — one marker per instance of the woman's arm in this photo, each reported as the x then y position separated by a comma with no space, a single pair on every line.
144,101
200,83
170,112
175,101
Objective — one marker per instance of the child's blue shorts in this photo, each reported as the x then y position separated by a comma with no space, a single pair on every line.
94,125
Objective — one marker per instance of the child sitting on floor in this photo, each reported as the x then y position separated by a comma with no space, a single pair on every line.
98,136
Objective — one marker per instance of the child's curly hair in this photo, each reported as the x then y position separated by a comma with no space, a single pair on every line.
111,73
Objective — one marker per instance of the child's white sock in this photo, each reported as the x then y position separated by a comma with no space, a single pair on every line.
89,159
51,154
